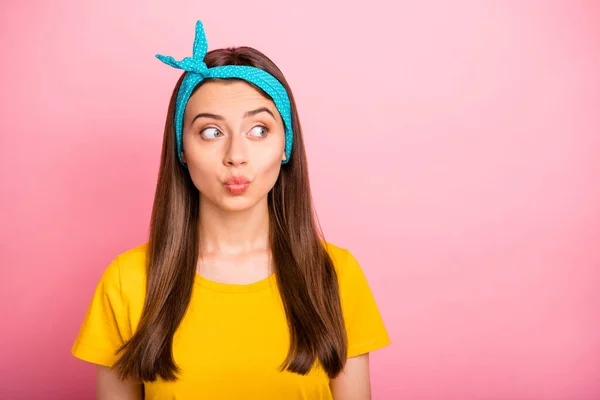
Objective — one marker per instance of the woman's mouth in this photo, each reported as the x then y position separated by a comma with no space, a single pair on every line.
237,185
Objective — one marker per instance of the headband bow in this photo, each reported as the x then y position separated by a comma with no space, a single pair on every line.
197,71
187,64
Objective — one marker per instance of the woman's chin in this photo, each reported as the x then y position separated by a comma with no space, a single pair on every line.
237,203
225,201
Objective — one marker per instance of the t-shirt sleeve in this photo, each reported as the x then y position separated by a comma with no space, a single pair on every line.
364,324
105,327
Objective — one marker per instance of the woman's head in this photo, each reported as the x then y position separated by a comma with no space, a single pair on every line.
232,130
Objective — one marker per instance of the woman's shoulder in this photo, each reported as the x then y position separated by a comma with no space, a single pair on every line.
128,269
336,252
343,259
134,258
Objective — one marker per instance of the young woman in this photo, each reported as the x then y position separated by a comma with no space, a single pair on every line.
236,295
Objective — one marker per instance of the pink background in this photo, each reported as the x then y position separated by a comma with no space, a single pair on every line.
454,148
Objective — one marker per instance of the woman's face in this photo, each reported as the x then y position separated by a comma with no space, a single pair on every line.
230,131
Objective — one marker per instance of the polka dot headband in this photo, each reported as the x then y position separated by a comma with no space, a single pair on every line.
198,71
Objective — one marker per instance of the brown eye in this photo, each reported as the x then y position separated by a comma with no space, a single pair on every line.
210,133
259,131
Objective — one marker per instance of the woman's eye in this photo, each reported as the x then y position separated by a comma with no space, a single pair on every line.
259,131
210,133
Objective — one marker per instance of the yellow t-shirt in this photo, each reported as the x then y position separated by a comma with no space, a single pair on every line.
233,338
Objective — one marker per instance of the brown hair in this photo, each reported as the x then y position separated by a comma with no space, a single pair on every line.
305,273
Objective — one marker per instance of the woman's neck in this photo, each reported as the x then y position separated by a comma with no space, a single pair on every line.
233,232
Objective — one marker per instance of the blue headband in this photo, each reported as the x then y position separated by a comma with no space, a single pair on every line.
198,71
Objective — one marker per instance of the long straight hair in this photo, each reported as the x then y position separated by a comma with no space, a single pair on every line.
305,274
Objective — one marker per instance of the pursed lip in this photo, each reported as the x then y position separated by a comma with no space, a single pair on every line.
237,180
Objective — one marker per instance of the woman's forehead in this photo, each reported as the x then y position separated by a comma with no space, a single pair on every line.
228,99
228,93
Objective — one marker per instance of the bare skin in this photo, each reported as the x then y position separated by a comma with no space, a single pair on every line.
110,387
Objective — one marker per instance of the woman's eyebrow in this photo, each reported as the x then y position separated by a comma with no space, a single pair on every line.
246,115
258,111
208,115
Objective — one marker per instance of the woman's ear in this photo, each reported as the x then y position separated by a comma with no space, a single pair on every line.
284,157
183,157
